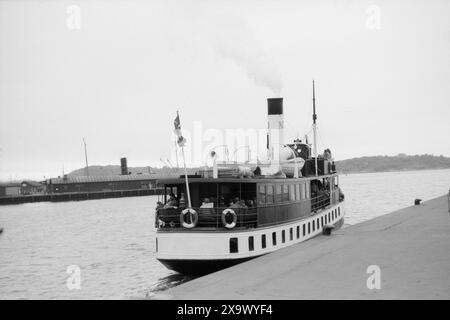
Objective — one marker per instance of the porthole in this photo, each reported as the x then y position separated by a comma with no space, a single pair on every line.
251,244
234,245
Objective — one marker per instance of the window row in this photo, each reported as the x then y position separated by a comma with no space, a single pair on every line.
269,194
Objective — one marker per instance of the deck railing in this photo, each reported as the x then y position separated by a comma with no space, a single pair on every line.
207,217
319,202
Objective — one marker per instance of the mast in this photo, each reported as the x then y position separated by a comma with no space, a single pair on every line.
86,157
315,129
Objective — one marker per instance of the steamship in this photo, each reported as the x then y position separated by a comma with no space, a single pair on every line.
235,212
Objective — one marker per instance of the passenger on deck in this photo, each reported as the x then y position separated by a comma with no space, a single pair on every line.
235,203
213,200
242,204
182,202
207,207
250,203
327,154
159,205
172,202
341,195
222,202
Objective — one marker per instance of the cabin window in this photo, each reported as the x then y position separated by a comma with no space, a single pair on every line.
339,211
291,234
263,241
269,194
283,236
318,224
303,191
321,221
298,232
279,193
314,225
262,195
156,244
292,192
326,219
251,245
297,192
285,192
233,245
304,229
274,238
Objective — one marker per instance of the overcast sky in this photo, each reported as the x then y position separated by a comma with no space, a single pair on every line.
115,72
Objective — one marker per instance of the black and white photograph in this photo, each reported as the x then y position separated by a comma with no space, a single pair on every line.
237,152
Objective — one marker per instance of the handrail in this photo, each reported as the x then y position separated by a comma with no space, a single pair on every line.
320,202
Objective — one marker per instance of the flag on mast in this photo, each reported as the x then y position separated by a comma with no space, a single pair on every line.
181,141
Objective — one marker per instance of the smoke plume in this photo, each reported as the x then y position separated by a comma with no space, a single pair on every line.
230,38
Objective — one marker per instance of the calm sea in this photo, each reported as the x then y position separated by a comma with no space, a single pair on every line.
112,240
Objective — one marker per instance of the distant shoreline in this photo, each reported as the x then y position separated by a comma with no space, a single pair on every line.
391,171
366,164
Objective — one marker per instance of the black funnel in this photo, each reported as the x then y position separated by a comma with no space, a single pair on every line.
274,106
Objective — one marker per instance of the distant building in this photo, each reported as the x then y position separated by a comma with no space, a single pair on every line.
102,183
11,189
28,187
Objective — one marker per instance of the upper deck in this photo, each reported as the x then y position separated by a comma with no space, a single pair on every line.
259,179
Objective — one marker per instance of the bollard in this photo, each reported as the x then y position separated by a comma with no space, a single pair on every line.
448,196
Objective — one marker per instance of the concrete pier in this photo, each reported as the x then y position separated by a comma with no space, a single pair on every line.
411,248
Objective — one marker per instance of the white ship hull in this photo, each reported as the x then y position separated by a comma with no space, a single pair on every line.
199,252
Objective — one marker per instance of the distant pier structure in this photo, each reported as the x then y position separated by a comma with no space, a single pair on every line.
85,188
68,188
102,183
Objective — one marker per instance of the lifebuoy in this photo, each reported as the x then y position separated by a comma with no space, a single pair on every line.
194,218
224,220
